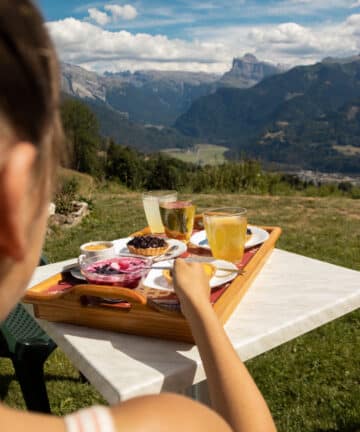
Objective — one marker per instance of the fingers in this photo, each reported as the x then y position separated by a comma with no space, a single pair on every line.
180,264
187,273
191,285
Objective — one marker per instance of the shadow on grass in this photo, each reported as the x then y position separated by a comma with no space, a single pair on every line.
5,381
53,377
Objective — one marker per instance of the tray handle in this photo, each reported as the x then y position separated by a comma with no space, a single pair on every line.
109,292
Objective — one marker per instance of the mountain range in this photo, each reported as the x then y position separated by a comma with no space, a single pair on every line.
159,97
307,117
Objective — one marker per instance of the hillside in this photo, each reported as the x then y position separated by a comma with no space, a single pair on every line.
301,117
147,139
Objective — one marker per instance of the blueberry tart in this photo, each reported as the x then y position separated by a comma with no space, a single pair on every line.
147,245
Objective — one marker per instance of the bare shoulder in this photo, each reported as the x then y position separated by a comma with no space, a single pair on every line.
161,413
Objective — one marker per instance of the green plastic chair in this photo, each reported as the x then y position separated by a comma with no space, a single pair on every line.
28,346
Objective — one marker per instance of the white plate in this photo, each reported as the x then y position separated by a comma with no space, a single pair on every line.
155,278
258,236
121,248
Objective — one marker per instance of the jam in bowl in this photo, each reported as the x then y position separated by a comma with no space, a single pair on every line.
118,270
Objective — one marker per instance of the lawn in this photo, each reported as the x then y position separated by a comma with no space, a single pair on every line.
312,384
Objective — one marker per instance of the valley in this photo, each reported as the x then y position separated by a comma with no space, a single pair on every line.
306,118
200,154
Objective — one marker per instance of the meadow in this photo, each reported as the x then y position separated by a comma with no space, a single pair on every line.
201,154
312,383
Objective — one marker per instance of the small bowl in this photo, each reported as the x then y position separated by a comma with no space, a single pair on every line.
98,248
118,270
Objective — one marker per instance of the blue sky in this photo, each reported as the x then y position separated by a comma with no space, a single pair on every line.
200,35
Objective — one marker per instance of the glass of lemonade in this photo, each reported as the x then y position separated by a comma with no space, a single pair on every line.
151,201
226,232
178,219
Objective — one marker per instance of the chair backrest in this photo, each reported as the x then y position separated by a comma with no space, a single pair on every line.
20,326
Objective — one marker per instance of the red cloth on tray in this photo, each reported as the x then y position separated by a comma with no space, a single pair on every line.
169,302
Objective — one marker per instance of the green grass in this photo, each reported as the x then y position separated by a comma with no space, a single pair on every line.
86,183
312,383
202,154
67,391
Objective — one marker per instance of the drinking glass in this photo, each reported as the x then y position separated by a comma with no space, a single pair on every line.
226,232
151,202
178,219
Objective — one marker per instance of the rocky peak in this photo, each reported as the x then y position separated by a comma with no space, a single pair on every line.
82,83
247,58
246,71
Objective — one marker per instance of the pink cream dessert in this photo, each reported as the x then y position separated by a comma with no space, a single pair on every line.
120,271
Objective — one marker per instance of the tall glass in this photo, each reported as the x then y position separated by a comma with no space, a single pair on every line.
151,202
226,232
178,219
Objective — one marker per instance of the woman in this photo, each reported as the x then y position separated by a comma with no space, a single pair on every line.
30,141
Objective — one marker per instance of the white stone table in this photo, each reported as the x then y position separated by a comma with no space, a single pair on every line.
291,296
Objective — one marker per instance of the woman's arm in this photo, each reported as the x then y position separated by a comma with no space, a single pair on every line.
158,413
233,393
13,420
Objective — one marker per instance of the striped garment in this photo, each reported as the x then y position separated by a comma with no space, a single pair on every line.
94,419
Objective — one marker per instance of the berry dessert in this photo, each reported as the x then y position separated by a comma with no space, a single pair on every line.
147,245
120,271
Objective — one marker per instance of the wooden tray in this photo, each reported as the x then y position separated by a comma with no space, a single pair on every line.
84,304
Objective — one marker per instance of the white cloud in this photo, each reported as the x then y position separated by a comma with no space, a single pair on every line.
98,16
356,4
289,43
210,50
126,12
85,43
113,14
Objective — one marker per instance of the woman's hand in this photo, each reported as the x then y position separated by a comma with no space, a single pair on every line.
191,285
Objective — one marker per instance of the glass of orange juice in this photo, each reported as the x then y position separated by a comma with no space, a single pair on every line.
226,232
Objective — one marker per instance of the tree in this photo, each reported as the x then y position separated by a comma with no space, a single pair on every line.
82,132
125,164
